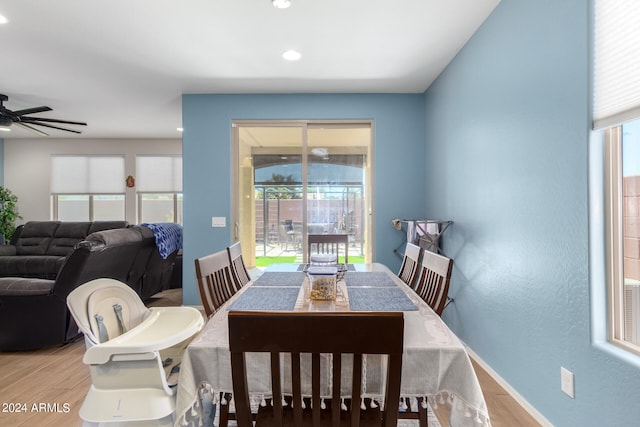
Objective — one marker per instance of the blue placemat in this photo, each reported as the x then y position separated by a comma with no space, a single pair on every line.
263,298
368,278
379,299
280,278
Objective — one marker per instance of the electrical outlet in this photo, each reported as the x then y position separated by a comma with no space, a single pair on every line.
566,382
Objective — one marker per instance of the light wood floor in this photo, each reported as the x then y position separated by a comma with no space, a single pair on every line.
49,385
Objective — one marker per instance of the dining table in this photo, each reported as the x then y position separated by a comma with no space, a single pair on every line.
435,364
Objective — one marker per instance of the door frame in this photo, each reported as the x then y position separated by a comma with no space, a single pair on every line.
250,250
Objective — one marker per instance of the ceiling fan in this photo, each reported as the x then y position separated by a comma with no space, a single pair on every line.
22,118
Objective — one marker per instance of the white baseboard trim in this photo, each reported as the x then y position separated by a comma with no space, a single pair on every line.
512,392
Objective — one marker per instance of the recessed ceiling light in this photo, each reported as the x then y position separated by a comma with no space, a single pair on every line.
281,4
3,19
179,129
291,55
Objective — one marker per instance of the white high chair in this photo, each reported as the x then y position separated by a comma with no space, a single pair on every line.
126,346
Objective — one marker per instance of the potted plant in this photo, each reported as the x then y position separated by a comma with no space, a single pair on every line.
8,214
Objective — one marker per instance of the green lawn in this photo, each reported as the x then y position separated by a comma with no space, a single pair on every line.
265,261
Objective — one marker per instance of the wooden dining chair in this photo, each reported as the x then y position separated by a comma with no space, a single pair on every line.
328,244
410,264
433,282
355,333
239,272
213,273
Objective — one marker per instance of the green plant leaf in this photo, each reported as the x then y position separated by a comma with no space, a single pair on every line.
8,213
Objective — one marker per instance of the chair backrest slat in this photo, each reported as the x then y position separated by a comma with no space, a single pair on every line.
328,244
213,274
433,283
276,384
410,264
296,401
355,333
239,272
355,389
337,385
315,389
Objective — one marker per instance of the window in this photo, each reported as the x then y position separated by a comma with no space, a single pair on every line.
616,111
623,221
295,178
159,188
87,188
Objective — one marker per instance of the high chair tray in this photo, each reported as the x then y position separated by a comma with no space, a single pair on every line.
163,328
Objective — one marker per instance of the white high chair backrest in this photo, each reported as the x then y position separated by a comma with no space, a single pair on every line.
112,312
105,308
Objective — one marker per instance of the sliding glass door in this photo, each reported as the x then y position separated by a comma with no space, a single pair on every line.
292,179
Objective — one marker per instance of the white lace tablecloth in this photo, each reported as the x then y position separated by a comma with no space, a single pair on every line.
435,364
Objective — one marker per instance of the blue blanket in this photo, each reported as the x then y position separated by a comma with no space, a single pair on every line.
168,236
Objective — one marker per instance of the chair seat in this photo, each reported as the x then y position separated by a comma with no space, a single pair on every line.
368,418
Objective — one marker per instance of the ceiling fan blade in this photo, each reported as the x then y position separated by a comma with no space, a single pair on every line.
43,119
32,110
32,129
49,126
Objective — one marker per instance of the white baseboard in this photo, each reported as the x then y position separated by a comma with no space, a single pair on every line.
512,392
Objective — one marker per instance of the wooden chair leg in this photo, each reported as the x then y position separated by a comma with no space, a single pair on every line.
421,415
423,421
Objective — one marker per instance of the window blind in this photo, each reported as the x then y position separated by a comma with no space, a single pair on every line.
87,174
159,174
616,62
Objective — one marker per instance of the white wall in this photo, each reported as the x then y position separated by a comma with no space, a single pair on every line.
27,167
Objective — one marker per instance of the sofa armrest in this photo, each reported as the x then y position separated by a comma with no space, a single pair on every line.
7,250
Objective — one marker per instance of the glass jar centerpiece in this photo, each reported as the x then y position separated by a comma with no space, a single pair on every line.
323,283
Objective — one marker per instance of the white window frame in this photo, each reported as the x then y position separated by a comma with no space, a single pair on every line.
614,237
177,212
55,204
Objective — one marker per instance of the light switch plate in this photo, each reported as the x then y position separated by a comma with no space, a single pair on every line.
218,221
566,379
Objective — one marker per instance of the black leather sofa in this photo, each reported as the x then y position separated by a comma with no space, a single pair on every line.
38,248
33,310
149,273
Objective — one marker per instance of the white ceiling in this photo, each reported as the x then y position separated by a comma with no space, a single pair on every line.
122,65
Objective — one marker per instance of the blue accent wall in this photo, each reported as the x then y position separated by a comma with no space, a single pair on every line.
500,144
507,149
398,155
